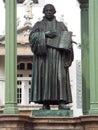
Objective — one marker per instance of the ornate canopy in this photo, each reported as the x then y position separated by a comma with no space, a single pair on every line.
21,1
82,1
18,1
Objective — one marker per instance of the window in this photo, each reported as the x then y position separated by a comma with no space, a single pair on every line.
29,94
19,94
29,66
21,66
35,1
19,75
23,85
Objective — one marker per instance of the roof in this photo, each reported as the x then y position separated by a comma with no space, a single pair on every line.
23,47
22,35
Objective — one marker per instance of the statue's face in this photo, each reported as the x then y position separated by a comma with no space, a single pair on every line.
49,12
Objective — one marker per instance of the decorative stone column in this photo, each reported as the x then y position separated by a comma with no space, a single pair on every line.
85,55
10,59
93,62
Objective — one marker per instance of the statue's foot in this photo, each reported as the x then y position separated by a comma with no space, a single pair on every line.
45,107
63,106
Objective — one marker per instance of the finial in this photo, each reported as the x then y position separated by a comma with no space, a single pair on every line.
28,11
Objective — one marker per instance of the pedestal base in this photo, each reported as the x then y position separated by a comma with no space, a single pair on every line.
61,113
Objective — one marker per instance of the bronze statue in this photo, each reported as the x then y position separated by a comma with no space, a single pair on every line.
51,44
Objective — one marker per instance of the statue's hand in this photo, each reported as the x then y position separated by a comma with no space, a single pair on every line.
50,34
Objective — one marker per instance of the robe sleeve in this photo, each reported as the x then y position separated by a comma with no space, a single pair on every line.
69,57
33,38
37,40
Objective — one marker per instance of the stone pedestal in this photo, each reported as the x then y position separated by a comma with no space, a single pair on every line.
54,113
16,122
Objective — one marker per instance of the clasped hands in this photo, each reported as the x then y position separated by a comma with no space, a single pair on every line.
50,34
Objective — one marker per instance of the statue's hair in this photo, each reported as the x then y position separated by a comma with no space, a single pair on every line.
54,11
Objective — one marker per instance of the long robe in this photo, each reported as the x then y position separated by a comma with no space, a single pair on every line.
50,79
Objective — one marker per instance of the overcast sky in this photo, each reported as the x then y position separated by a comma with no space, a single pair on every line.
68,8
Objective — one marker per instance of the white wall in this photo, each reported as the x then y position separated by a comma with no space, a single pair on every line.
76,83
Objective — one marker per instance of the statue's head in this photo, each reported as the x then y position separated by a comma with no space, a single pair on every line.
49,11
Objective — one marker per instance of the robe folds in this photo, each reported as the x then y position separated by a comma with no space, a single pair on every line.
50,76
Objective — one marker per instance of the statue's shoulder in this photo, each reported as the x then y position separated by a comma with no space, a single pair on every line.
62,25
39,23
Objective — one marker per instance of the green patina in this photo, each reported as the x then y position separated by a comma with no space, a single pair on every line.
11,59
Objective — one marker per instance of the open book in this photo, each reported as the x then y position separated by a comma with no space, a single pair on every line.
63,41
